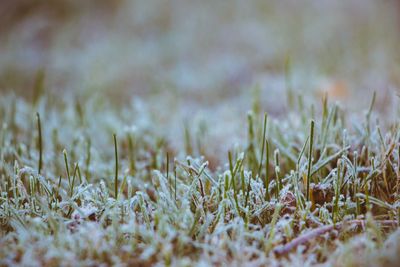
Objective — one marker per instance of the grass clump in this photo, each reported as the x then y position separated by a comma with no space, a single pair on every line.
260,208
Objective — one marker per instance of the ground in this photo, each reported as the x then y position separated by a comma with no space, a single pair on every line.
182,133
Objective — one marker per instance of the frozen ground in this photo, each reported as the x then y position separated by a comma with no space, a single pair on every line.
188,82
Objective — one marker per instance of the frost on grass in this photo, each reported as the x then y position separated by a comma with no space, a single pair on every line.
60,177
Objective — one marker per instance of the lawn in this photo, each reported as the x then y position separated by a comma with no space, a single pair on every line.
175,133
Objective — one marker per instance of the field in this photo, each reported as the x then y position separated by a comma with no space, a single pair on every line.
212,133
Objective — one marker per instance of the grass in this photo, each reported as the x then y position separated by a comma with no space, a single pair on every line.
310,155
342,199
131,135
40,143
116,167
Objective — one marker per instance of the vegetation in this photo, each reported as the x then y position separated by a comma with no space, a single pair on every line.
79,185
199,133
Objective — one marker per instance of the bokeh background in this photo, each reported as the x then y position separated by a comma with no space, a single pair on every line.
203,60
206,49
198,66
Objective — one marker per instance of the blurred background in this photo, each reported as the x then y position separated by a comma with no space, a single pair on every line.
201,62
208,50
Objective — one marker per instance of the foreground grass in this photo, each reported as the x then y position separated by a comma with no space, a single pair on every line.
79,185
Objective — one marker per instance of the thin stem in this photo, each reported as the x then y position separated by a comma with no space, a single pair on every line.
267,197
131,155
73,180
66,166
370,112
58,187
310,159
40,164
116,167
169,183
263,142
175,179
230,162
